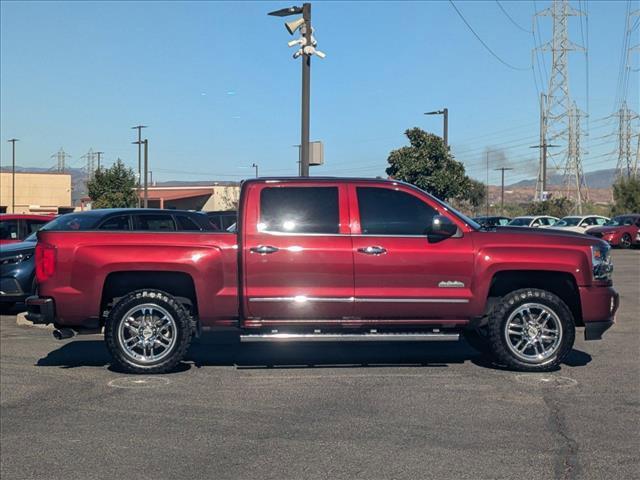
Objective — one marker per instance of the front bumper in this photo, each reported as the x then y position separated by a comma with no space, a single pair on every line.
11,290
40,310
599,307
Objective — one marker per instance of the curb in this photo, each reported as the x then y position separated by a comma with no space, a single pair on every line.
22,321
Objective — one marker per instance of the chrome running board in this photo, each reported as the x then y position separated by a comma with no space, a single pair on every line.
350,337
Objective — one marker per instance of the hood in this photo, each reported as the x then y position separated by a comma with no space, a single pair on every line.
533,236
11,249
610,229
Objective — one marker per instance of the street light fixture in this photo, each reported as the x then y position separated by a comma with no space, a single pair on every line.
445,117
255,165
307,44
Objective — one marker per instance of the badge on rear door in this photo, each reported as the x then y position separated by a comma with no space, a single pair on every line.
451,284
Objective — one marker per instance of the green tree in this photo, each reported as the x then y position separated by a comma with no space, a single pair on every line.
626,195
113,187
556,207
427,163
475,194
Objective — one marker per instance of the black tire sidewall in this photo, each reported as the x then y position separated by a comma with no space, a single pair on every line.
183,331
628,244
511,302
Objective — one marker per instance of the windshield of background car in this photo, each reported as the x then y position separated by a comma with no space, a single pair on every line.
618,221
520,222
9,230
568,222
73,221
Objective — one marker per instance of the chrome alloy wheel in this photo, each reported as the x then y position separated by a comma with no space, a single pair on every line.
148,333
533,332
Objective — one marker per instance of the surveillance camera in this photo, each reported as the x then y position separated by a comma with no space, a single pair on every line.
297,54
300,41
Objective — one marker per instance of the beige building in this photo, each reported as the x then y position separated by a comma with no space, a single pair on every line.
36,192
208,198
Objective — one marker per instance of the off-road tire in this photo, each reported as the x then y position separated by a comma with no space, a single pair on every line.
500,315
184,331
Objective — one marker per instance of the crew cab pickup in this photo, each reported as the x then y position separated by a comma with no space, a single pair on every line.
329,259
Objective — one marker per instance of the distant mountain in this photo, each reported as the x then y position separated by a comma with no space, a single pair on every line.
596,179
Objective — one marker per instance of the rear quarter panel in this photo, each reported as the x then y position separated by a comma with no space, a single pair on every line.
85,259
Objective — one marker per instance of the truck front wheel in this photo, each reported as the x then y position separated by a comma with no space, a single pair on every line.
148,331
531,330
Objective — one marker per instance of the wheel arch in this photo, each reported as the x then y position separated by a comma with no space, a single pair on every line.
180,285
562,284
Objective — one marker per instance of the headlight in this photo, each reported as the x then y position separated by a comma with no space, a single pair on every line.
601,261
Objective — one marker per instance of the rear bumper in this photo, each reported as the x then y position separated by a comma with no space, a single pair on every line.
599,307
40,310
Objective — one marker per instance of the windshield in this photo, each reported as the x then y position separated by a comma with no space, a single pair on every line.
520,222
73,221
568,222
618,221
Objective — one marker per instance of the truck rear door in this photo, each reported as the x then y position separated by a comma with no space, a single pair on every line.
297,253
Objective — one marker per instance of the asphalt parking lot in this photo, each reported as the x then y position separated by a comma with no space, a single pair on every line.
331,411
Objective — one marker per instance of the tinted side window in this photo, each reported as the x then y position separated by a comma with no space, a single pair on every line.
299,210
33,226
9,230
186,224
228,220
155,222
121,222
391,212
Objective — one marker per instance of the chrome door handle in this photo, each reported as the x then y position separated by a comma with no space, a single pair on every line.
373,250
264,249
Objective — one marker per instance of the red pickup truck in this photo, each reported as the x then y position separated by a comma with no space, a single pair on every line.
329,259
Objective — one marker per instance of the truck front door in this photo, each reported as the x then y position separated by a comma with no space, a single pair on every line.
399,272
297,253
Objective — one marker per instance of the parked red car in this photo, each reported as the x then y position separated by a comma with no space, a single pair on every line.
328,259
620,231
16,227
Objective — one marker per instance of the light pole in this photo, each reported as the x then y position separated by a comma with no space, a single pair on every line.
145,142
99,154
139,128
502,169
445,127
307,45
255,165
13,173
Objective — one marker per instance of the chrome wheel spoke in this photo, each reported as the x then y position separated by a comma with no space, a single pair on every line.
147,333
533,332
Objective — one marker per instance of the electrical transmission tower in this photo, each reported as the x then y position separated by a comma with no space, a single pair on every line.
626,166
90,168
574,182
61,157
559,106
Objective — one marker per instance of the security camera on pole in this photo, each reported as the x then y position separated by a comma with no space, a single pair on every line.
307,44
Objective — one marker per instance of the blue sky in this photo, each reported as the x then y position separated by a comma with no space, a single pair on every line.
217,86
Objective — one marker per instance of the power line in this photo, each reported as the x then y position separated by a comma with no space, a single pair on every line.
511,19
482,41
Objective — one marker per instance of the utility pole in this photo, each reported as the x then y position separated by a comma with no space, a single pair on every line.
98,154
13,173
487,183
541,181
255,165
307,45
145,142
502,169
445,124
139,128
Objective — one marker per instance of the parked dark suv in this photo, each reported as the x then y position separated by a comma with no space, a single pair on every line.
17,263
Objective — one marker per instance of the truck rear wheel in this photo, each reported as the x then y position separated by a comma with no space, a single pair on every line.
531,330
148,331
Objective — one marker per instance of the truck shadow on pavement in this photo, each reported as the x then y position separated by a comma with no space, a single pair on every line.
216,350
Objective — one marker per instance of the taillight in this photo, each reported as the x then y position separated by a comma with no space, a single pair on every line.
45,261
